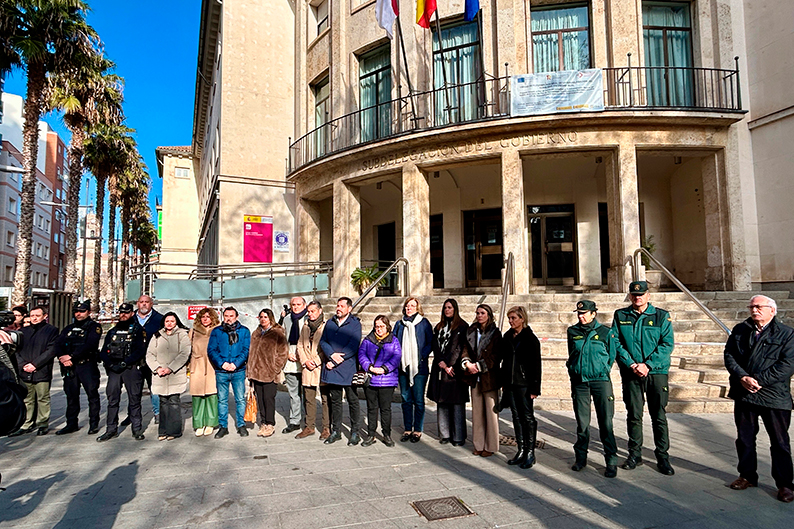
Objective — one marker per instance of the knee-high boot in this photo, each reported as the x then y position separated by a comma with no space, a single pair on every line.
521,445
530,437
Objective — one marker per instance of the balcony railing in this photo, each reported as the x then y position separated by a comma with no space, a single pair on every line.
630,87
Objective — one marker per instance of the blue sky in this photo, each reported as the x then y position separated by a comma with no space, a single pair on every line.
155,47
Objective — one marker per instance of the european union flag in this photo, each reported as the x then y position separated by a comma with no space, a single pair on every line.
472,8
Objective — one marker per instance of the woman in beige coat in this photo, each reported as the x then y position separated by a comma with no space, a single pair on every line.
202,375
309,357
167,357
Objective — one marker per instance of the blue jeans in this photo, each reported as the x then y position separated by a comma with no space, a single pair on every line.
156,404
413,402
237,380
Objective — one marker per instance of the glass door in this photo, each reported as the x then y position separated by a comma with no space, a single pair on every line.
552,244
483,235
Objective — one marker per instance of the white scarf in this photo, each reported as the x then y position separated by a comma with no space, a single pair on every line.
409,362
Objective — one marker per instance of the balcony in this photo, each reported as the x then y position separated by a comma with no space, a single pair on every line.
625,88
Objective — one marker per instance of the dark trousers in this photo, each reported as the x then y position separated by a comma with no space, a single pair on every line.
335,396
522,408
171,422
777,423
604,400
635,391
133,382
266,401
379,399
452,421
87,376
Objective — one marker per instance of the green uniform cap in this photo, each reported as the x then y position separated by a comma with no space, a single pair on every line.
585,305
638,287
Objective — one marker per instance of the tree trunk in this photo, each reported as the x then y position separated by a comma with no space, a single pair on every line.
30,152
125,252
100,214
73,211
112,244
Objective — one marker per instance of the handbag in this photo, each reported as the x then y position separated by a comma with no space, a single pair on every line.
363,378
250,407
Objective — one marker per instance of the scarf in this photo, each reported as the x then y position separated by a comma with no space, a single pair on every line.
444,334
295,328
409,362
231,330
313,326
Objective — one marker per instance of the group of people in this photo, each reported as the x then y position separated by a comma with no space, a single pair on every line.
313,355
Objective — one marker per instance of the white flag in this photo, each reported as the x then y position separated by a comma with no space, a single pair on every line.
386,11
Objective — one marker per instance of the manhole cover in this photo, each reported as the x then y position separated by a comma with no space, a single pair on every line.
442,508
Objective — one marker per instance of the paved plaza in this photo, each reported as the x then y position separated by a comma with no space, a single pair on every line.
281,482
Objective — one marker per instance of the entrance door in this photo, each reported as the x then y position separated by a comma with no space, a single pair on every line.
437,250
482,232
387,252
552,244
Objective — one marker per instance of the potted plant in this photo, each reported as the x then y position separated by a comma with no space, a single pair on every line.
656,278
362,278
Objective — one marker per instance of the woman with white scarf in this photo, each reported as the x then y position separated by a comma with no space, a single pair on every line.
416,340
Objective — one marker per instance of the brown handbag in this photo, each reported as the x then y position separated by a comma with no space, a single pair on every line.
250,407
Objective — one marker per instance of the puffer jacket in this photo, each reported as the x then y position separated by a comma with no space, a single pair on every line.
171,351
521,364
268,354
770,360
592,349
388,358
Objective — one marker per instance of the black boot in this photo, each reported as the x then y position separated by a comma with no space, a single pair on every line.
521,452
530,438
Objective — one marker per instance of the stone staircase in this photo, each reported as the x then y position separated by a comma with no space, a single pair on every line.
698,379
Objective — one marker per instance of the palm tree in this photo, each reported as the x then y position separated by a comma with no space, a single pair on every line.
134,197
41,36
87,94
107,150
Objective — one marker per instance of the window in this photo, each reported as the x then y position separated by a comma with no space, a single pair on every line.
10,238
457,61
12,206
375,93
667,36
181,172
37,282
44,279
57,238
47,225
9,273
38,249
560,38
322,92
47,253
320,13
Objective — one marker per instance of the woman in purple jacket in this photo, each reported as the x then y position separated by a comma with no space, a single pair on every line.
379,355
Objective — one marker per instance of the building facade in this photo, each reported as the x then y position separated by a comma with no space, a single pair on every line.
179,226
447,177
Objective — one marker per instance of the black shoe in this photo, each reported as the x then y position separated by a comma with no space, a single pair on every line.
291,428
21,431
91,431
631,463
458,443
444,440
68,429
138,436
611,471
107,436
415,438
368,441
354,439
157,419
406,437
243,431
334,437
44,430
664,467
126,422
221,433
579,465
388,441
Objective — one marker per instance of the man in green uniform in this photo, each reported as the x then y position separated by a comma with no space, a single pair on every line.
646,343
592,348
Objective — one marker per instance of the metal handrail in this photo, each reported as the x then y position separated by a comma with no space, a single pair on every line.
508,286
636,273
395,264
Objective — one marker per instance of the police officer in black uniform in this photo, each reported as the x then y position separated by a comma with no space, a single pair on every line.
123,353
78,348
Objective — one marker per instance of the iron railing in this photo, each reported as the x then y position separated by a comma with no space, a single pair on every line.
508,287
401,261
629,87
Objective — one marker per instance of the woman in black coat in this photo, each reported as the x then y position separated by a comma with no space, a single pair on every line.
447,388
520,372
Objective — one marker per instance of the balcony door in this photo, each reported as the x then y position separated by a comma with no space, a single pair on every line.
667,36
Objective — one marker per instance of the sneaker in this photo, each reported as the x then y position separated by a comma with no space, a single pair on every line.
306,432
269,430
242,431
261,432
208,430
221,433
354,439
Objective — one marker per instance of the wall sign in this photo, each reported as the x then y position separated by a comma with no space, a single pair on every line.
257,239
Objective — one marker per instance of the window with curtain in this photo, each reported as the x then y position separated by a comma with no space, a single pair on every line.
374,81
457,61
322,92
560,38
667,35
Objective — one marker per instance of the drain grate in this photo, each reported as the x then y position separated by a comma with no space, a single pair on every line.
442,508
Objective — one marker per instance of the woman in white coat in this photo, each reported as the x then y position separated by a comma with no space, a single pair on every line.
167,357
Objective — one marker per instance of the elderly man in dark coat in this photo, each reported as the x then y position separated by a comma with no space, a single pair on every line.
759,356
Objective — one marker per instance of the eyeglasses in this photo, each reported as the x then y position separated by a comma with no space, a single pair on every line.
759,307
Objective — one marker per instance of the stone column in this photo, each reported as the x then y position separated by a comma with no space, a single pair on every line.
624,31
416,229
737,272
514,218
624,215
347,238
714,211
308,230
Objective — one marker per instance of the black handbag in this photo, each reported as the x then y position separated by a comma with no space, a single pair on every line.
364,378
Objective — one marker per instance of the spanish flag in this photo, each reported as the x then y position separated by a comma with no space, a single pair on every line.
424,12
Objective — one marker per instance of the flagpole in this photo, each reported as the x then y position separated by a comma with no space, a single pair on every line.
407,69
443,66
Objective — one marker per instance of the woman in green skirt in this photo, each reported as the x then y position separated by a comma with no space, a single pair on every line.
202,375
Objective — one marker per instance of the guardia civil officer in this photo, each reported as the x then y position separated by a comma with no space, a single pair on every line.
123,353
592,348
646,343
78,350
